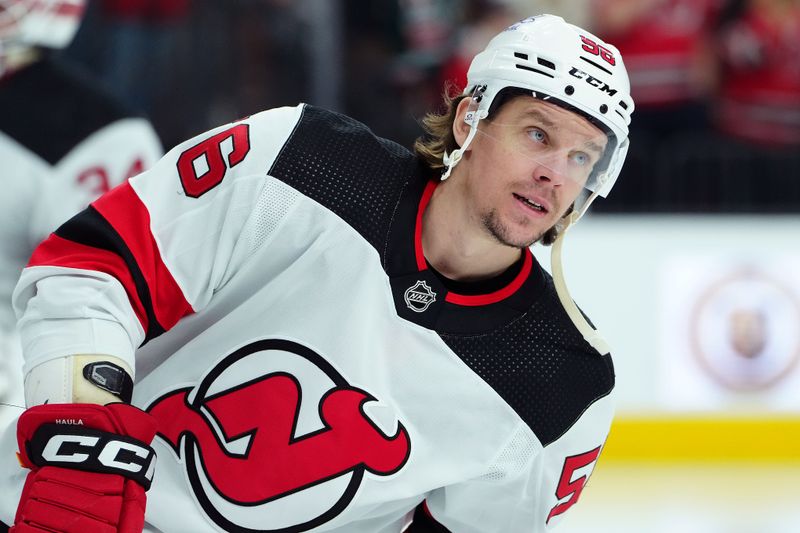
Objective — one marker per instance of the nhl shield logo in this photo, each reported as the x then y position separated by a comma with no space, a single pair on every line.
419,297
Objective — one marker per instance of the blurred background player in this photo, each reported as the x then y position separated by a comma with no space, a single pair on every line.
756,113
63,142
760,83
668,48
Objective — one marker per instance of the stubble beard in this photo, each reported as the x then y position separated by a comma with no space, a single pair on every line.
501,233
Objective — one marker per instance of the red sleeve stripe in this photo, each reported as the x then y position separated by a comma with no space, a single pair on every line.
113,236
126,213
57,251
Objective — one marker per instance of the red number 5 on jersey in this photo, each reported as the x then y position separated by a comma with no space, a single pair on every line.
566,485
209,153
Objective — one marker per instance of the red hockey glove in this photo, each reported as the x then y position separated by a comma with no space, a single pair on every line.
90,467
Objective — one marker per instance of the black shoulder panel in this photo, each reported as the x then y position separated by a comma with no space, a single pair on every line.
341,164
50,108
540,365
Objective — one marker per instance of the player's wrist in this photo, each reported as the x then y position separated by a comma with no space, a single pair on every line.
96,379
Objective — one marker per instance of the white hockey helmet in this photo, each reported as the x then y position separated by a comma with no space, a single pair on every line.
567,66
562,64
28,24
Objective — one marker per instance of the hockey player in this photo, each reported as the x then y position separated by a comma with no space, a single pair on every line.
62,144
328,332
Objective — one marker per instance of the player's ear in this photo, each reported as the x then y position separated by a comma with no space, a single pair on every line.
461,128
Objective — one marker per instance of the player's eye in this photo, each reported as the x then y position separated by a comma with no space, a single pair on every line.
537,135
581,159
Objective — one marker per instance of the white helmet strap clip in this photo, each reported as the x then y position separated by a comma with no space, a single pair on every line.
472,117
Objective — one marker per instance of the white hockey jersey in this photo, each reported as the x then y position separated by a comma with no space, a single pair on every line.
62,144
308,370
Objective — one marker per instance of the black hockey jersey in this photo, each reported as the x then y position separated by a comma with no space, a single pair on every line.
307,369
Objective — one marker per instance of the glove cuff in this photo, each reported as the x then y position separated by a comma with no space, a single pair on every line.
90,450
111,439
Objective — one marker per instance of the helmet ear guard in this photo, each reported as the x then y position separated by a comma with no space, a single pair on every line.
471,117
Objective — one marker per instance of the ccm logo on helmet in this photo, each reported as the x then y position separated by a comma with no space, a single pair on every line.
94,451
591,80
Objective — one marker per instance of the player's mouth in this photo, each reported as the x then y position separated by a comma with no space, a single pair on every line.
531,204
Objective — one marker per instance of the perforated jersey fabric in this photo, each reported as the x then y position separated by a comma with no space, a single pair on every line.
541,366
345,167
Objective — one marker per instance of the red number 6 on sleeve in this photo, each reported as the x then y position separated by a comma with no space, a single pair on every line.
568,487
211,150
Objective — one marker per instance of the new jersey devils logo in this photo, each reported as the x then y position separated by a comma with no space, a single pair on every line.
285,451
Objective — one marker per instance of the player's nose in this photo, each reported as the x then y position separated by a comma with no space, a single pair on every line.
550,170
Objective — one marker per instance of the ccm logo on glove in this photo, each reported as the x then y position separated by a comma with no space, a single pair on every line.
93,451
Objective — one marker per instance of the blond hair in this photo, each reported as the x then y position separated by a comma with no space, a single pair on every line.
438,137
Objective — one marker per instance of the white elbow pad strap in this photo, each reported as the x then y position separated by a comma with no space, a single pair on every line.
98,379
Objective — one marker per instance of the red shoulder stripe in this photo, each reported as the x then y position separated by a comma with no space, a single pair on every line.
126,213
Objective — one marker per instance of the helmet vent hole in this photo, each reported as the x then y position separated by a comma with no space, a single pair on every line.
520,55
546,63
569,89
537,71
604,108
623,105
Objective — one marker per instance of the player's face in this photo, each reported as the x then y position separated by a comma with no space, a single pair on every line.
527,165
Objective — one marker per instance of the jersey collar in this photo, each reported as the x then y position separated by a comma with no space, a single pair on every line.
422,298
462,299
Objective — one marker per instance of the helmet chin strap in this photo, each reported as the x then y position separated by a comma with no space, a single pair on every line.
591,335
450,160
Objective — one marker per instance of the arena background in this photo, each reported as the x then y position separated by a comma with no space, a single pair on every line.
689,268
